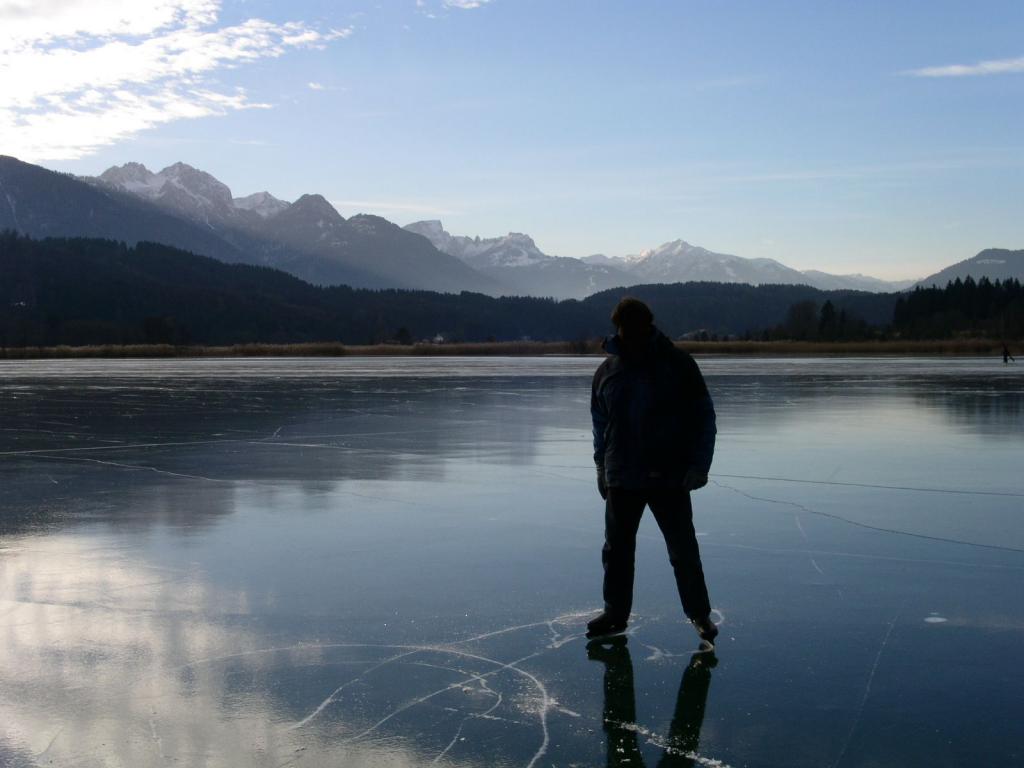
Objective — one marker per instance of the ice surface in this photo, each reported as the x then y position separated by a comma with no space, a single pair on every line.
390,562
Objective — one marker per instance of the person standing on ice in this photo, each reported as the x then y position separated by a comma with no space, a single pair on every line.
654,439
1007,357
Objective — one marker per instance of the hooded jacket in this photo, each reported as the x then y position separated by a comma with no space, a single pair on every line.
652,414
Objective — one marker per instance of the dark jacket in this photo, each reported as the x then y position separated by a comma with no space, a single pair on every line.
653,417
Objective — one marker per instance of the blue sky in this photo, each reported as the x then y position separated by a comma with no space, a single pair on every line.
875,137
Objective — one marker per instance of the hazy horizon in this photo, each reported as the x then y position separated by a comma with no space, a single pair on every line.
872,139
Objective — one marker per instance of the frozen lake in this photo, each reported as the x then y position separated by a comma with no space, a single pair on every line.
389,562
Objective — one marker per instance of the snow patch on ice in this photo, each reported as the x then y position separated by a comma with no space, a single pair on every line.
658,741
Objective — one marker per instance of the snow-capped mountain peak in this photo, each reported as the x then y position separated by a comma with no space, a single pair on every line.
429,228
674,249
263,204
516,261
603,260
512,250
199,188
135,178
189,191
179,187
679,261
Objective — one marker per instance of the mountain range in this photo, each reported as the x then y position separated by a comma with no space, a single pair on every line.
679,262
517,261
190,209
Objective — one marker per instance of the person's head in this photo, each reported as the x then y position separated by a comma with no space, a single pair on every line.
633,320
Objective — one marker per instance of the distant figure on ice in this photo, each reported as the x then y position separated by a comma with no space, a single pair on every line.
623,749
654,438
1007,357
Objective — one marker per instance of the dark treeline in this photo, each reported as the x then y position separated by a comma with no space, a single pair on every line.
82,291
808,320
964,307
89,291
723,310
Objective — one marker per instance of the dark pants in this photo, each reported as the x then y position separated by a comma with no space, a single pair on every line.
672,511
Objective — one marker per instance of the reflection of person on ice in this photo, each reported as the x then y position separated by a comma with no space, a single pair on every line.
654,438
1007,357
620,725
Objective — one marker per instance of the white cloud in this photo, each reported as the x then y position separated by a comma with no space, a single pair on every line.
991,67
29,22
79,74
427,9
315,86
465,4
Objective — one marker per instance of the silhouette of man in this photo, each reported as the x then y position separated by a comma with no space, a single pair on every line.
1007,357
620,724
654,438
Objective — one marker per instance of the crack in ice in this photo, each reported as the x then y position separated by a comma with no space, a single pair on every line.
867,692
868,526
546,701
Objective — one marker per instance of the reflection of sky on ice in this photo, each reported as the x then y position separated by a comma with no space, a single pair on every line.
291,562
89,659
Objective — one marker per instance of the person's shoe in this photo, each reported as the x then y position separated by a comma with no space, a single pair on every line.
605,625
706,629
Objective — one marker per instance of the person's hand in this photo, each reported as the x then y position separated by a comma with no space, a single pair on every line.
694,479
601,487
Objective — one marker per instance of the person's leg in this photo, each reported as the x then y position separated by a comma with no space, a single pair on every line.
672,510
622,513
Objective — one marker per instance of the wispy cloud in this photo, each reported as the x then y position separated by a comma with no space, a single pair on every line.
81,74
434,9
315,86
465,4
990,67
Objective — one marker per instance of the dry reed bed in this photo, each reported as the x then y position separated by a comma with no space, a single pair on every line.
986,347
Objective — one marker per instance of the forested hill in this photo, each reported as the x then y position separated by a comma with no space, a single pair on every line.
89,291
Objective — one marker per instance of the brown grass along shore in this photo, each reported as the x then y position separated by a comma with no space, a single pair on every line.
967,347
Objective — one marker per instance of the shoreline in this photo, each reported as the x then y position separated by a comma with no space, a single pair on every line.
931,348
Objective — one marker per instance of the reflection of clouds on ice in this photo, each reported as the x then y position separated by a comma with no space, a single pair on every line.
85,638
469,682
87,670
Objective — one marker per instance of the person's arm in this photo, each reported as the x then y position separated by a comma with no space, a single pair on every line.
708,429
705,425
599,419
